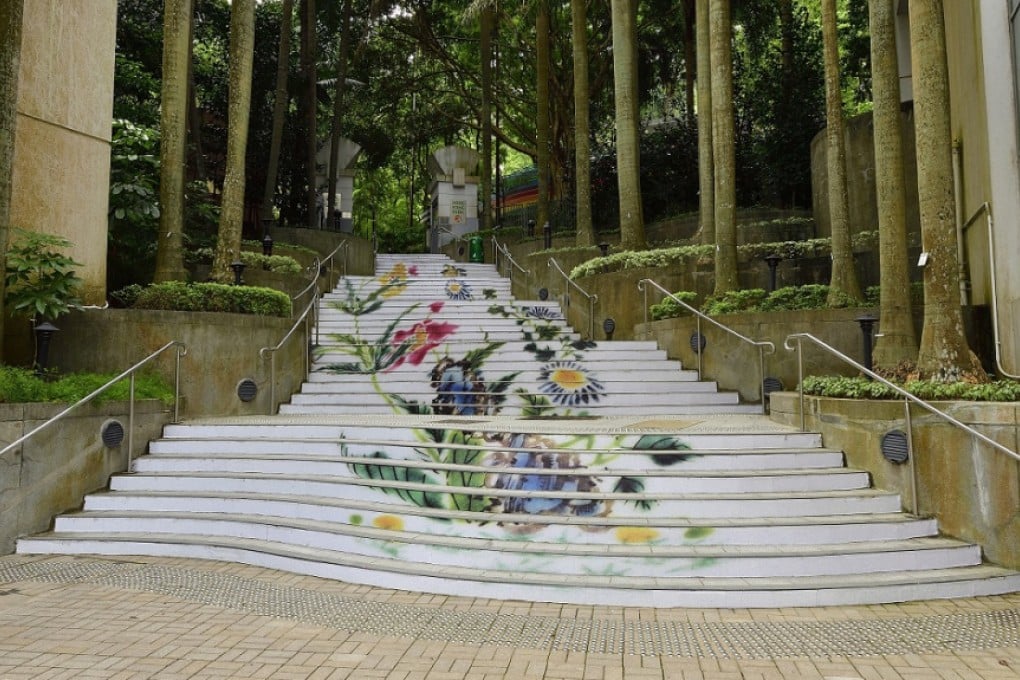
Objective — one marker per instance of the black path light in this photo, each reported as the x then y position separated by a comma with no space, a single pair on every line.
609,327
604,247
867,323
43,334
267,245
773,260
531,227
238,268
547,234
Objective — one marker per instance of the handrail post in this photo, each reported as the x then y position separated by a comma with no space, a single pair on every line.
761,378
800,384
644,306
272,383
697,343
131,420
591,318
177,386
910,459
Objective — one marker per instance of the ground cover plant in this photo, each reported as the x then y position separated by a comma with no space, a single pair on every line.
21,385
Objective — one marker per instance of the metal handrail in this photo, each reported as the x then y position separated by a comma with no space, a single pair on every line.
182,350
592,297
271,351
907,397
761,345
500,249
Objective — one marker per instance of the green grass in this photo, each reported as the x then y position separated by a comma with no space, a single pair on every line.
20,385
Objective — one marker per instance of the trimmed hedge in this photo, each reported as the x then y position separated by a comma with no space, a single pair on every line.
207,297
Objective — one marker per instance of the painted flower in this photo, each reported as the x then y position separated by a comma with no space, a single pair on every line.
450,271
435,307
460,389
568,383
521,456
457,289
388,522
420,339
542,312
634,535
395,280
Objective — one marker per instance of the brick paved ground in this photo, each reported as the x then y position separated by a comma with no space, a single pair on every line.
147,618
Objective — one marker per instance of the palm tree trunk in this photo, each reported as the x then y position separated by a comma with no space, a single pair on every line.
338,107
542,123
843,285
11,21
279,109
944,353
723,152
706,166
582,126
173,137
690,57
242,54
309,54
897,342
486,24
628,154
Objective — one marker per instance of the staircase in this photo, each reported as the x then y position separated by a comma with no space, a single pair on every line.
453,440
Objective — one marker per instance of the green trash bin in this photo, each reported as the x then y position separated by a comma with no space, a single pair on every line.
476,250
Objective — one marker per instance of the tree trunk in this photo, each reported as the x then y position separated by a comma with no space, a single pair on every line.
897,342
706,166
309,54
542,73
242,54
843,285
279,109
690,57
723,152
173,137
944,354
338,106
11,21
194,114
486,21
628,154
582,127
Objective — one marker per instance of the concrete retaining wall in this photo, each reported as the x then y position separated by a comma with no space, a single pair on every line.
54,469
973,489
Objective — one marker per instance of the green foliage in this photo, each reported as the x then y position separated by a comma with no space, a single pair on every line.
668,308
862,388
812,296
282,264
734,301
213,297
19,385
41,280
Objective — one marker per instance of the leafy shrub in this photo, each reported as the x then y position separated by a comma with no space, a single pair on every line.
289,247
19,385
214,297
873,294
126,296
41,280
812,296
668,308
283,264
862,388
734,301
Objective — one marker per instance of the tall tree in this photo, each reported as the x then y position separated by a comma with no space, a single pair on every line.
723,147
11,20
582,126
279,108
843,284
690,57
338,108
706,167
543,75
486,26
242,46
628,160
944,353
173,141
897,342
309,55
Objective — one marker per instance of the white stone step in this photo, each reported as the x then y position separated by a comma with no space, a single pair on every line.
528,585
517,410
408,374
633,398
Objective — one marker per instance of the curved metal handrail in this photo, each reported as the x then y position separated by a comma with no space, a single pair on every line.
761,345
271,351
907,397
497,250
591,297
182,350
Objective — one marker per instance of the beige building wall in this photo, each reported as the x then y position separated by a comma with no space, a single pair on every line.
61,169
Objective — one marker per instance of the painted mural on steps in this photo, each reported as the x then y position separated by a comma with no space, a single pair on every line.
509,482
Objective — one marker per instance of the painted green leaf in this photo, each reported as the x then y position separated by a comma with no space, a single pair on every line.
698,533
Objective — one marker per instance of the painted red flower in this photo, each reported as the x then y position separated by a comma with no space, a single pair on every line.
421,338
435,307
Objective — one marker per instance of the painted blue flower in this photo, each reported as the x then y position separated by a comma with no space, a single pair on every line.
568,383
542,312
457,289
460,390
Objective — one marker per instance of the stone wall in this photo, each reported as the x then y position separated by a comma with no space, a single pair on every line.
971,488
61,170
46,476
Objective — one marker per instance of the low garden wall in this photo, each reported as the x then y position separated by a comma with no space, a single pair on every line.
223,350
52,471
973,489
734,364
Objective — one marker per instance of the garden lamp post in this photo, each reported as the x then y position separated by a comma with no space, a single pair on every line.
267,245
43,334
867,323
238,268
772,260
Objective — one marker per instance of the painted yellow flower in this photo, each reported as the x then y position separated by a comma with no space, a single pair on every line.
396,279
569,383
634,535
389,522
